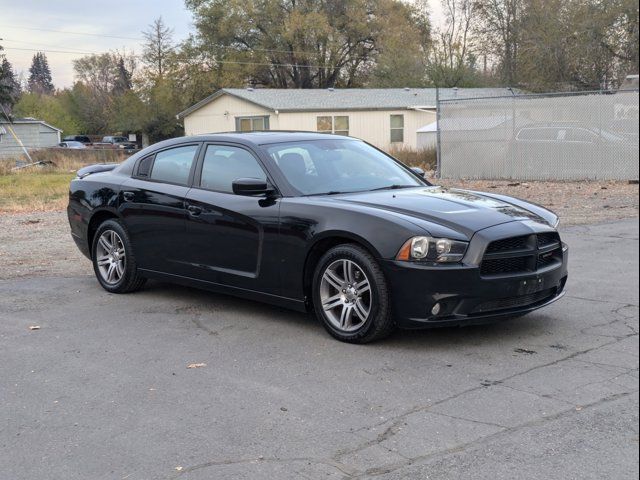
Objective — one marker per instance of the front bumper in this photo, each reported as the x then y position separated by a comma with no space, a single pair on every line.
465,296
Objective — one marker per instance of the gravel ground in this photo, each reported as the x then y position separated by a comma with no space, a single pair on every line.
40,244
577,203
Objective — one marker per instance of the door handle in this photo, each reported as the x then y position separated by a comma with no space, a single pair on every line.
193,210
128,196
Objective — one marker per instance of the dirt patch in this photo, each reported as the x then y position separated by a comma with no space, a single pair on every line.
577,203
39,243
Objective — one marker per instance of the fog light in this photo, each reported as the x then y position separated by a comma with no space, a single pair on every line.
436,309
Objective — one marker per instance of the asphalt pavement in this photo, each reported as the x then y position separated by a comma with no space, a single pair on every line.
102,390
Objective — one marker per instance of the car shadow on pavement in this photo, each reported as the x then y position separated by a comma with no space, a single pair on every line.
499,332
203,303
197,301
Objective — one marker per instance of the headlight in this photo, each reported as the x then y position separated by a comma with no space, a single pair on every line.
441,250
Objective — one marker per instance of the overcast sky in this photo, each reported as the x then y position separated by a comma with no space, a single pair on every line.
55,27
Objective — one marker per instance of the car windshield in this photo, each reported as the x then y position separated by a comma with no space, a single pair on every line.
329,166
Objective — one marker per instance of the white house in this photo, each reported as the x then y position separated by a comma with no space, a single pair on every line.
387,118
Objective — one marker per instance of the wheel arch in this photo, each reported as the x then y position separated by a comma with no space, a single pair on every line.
97,218
322,244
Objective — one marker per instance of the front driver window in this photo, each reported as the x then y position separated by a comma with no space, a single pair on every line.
223,164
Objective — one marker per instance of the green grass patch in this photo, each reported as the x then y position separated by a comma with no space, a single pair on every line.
34,191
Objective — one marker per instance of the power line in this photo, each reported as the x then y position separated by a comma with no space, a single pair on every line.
42,45
232,62
71,33
230,47
77,52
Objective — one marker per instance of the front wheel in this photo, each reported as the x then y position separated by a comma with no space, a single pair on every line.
350,295
113,261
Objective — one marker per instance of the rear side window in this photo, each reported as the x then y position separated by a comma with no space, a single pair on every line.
173,165
144,167
223,164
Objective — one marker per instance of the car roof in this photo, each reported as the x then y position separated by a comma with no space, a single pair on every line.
261,137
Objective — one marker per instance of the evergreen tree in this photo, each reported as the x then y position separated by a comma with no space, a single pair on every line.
122,82
9,85
40,80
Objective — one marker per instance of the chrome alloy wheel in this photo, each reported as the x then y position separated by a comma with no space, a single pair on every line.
111,257
345,293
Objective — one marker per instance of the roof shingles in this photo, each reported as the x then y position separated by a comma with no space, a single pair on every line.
313,100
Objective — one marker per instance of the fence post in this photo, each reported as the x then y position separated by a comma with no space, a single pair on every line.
438,145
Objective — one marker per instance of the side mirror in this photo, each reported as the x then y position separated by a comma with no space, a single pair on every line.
418,171
251,187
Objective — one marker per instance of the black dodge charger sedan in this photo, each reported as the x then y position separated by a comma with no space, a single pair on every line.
316,221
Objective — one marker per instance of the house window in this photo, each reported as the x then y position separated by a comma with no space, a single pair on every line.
325,124
250,124
338,124
397,128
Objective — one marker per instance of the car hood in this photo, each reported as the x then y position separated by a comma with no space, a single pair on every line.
461,210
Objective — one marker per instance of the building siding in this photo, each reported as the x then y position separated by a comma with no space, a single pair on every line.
219,116
373,126
32,135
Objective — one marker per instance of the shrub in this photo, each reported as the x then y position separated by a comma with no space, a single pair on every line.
426,159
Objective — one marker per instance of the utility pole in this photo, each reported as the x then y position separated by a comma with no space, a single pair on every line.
438,143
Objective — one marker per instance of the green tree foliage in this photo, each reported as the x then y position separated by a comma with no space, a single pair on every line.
403,47
40,80
559,44
101,81
538,45
53,109
603,45
296,43
499,30
162,106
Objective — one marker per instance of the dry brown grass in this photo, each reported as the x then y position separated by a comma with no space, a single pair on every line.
45,188
425,159
65,160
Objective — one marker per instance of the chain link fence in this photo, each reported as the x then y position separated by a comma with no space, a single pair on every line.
577,136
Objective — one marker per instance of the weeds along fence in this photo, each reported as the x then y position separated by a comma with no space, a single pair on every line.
425,158
569,136
64,159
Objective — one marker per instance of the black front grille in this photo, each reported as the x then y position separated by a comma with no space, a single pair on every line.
514,302
550,258
548,238
497,266
507,244
526,253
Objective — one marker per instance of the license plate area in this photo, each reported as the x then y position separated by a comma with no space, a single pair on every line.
531,285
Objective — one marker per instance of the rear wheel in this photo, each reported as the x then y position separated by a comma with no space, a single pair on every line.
113,261
350,295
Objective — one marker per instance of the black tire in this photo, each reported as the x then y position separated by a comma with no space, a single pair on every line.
379,323
131,280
